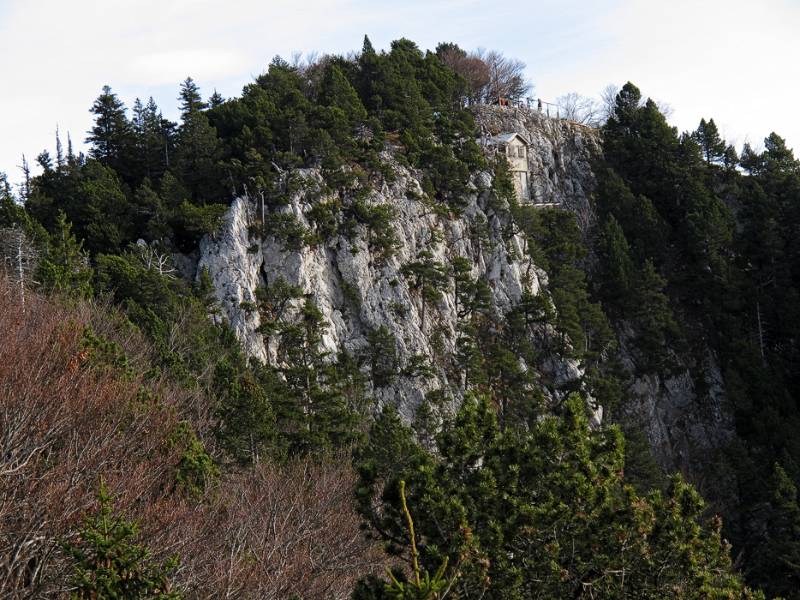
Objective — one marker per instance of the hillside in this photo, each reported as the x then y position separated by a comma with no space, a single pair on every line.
364,284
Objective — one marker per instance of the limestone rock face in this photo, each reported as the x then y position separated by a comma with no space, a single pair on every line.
358,291
684,427
560,155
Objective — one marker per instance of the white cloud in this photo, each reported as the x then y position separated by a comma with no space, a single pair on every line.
165,68
732,60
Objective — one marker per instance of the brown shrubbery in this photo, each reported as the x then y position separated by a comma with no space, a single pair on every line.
66,421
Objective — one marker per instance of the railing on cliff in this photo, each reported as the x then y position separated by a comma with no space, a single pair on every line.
547,109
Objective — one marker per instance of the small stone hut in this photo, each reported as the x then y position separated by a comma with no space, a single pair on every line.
515,148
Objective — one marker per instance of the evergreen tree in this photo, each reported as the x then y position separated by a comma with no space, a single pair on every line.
154,140
539,511
196,156
711,144
313,410
247,426
109,563
65,268
111,135
616,267
654,321
336,92
778,558
190,98
215,99
366,47
428,276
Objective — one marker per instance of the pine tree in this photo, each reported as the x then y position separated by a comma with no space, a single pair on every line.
366,46
616,266
196,156
778,558
190,98
428,276
537,510
60,162
653,319
109,563
25,191
313,410
711,144
336,92
65,268
215,99
111,135
247,427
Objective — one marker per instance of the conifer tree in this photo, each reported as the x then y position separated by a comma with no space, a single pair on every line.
111,135
198,145
711,144
65,267
366,46
313,410
336,92
616,266
215,99
539,510
109,563
190,98
778,557
652,314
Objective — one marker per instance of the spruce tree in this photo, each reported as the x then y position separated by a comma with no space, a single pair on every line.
190,99
108,562
111,135
65,268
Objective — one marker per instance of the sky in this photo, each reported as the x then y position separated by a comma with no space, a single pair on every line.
732,60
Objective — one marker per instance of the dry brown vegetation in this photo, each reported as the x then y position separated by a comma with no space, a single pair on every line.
66,422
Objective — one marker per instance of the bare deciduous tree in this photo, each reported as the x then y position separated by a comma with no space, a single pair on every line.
580,109
608,101
67,419
506,77
665,108
472,68
490,75
19,258
154,259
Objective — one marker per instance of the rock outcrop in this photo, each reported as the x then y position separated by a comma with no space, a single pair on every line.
358,291
560,155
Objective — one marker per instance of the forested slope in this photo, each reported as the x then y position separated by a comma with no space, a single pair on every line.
212,316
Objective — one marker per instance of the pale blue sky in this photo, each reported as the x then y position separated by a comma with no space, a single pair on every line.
737,61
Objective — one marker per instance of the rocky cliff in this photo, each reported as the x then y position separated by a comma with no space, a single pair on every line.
560,155
359,291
